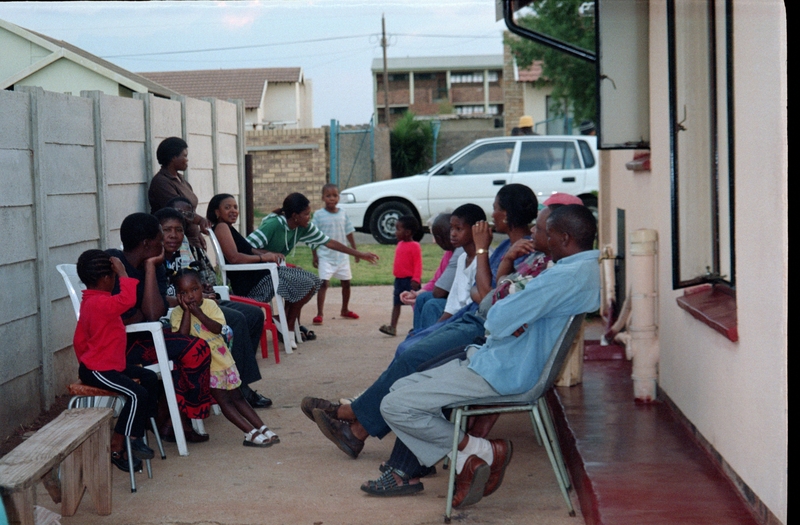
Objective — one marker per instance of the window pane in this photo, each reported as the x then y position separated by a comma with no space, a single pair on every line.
489,158
548,156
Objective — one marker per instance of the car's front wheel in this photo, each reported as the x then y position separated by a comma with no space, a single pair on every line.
383,219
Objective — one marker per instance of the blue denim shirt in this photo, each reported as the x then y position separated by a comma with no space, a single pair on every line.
511,364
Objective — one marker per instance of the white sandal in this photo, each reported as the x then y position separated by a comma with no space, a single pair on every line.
271,436
256,439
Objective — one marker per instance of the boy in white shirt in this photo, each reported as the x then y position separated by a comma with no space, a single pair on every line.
334,223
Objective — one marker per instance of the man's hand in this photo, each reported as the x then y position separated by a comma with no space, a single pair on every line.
368,256
409,297
315,261
518,249
415,285
482,235
521,330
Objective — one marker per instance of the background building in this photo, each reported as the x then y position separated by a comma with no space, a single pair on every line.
274,98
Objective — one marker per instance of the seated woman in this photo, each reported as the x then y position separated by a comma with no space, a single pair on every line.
143,257
276,237
246,321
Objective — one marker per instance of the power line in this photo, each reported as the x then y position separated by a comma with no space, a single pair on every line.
254,46
232,48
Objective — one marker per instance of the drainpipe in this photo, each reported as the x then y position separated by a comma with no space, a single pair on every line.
644,347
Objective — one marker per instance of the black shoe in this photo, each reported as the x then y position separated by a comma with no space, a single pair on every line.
121,462
256,400
140,450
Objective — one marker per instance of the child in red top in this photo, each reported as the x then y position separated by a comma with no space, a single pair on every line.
407,265
100,341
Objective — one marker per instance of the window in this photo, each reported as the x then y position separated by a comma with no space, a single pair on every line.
466,78
494,109
488,158
398,77
548,156
701,132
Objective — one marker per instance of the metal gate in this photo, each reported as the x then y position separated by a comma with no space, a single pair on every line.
352,154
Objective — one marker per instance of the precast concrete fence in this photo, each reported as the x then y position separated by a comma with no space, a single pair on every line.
71,168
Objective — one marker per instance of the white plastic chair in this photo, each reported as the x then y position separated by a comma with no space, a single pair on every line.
69,272
531,401
224,267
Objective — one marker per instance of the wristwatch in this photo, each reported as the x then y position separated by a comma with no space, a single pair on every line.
481,251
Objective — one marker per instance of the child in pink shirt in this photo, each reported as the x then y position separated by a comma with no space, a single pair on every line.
407,265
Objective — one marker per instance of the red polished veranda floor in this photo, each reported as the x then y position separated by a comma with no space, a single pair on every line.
637,464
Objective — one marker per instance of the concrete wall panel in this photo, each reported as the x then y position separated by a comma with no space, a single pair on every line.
66,119
62,327
198,117
227,153
22,277
68,169
228,179
21,245
125,162
15,132
227,121
122,119
123,200
71,219
22,401
22,356
16,183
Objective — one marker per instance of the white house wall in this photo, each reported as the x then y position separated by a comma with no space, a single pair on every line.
64,76
734,393
18,53
535,102
280,104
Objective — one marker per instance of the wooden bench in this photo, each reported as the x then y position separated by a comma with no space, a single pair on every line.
80,440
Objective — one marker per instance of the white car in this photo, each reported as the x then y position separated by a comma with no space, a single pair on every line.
545,163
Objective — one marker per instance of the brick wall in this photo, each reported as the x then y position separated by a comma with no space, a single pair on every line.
295,161
513,94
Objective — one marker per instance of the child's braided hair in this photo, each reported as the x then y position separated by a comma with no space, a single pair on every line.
93,265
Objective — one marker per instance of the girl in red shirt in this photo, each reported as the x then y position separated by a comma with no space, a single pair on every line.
407,265
100,342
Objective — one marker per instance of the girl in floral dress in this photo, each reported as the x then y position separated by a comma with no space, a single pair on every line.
204,319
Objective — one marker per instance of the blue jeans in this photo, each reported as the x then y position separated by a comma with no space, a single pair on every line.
460,332
427,310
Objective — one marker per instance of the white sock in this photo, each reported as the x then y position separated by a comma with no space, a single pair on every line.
475,446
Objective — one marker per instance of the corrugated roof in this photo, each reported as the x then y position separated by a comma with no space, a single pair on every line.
225,84
532,73
152,86
453,63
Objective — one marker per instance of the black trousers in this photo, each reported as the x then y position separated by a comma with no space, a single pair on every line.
141,398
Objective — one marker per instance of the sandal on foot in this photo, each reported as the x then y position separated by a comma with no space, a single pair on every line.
317,320
424,471
254,438
271,436
387,485
388,330
306,334
350,315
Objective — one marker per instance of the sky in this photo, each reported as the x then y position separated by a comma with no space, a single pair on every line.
334,41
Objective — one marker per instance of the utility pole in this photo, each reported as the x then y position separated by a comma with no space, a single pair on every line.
384,44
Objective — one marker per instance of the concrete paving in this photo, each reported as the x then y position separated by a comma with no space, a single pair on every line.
305,479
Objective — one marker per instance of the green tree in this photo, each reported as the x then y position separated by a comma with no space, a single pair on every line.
573,80
411,143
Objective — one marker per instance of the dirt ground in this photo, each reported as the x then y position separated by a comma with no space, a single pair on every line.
305,479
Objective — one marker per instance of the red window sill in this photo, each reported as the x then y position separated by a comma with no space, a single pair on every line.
714,305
